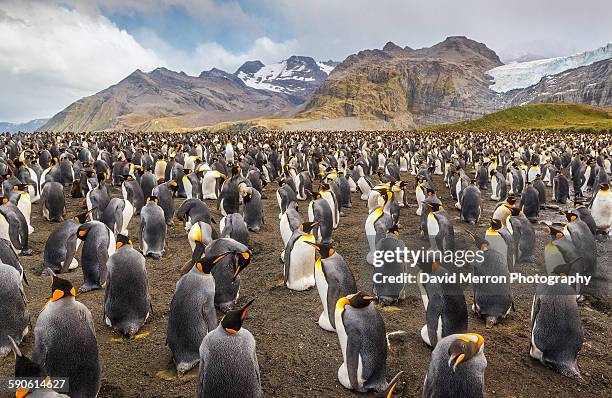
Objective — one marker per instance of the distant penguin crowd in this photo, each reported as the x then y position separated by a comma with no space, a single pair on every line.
161,178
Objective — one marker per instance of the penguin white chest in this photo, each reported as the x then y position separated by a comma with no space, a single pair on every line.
301,270
285,229
433,227
602,210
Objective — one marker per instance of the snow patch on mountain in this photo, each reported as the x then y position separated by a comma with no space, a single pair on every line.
524,74
290,76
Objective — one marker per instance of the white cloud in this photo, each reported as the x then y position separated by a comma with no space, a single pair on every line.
209,55
50,56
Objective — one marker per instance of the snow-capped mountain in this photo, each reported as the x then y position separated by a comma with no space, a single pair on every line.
297,76
32,125
524,74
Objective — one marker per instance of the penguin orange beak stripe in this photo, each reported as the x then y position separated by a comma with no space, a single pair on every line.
457,360
57,294
231,331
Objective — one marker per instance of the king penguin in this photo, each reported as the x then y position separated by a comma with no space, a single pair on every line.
300,258
192,313
457,368
14,315
362,336
65,341
333,279
153,229
99,245
444,302
127,302
228,360
555,309
601,208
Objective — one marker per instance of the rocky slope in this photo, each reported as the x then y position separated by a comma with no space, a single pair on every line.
443,83
171,100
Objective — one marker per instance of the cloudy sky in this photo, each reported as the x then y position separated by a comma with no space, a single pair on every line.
55,52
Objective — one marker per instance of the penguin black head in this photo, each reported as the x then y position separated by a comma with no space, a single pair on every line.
61,288
464,348
123,240
4,199
325,250
127,177
555,230
24,366
569,215
515,211
82,232
247,196
315,195
173,186
493,172
308,226
495,224
604,186
20,187
153,198
232,321
101,177
434,206
81,218
324,186
511,199
430,192
357,300
236,170
393,230
244,259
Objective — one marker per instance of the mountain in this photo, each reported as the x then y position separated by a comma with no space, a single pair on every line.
167,99
591,84
443,83
539,116
297,76
524,74
30,126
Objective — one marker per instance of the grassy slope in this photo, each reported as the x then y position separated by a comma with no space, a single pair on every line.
538,116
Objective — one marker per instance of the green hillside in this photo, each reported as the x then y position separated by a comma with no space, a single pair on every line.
537,117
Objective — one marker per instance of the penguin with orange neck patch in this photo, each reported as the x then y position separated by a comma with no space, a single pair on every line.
26,368
457,368
127,302
333,279
445,308
362,336
65,341
228,360
192,312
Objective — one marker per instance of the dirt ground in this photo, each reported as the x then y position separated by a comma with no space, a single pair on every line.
296,357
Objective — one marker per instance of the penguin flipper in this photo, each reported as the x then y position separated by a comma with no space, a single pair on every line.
353,347
71,243
333,292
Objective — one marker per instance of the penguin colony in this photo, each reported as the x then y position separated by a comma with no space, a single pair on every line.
315,173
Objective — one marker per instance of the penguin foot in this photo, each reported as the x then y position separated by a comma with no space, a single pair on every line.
88,288
425,335
73,264
324,323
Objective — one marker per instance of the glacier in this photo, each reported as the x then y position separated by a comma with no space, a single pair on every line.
524,74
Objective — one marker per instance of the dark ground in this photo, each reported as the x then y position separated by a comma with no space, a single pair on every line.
299,359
